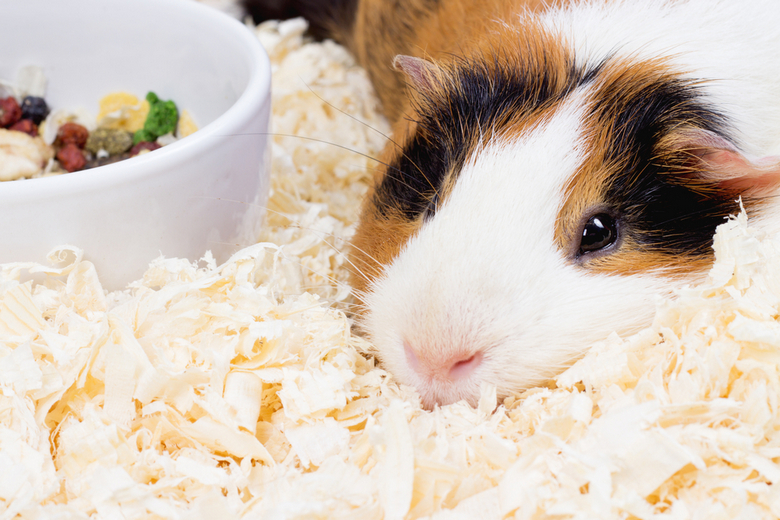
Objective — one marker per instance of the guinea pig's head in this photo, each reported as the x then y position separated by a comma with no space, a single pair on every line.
532,205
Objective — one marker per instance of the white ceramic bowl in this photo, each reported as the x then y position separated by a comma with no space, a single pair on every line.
203,192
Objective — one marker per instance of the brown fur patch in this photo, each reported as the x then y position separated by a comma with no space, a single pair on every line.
619,93
378,238
423,28
460,35
434,115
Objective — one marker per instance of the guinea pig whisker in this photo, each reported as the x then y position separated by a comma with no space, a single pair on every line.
346,257
361,295
333,281
314,139
347,307
391,173
360,271
351,309
352,117
377,267
322,235
390,168
686,215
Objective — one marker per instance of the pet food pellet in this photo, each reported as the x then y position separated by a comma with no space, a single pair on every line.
71,158
143,145
73,133
102,161
111,140
10,112
26,126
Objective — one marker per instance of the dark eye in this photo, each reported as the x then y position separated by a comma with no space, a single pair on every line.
599,232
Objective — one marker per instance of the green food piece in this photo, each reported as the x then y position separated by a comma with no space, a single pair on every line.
143,135
161,120
113,141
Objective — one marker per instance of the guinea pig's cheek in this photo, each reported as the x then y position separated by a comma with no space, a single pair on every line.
468,299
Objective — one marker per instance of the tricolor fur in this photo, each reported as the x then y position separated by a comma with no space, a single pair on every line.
519,124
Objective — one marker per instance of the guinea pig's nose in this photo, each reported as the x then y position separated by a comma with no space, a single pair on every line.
464,367
450,366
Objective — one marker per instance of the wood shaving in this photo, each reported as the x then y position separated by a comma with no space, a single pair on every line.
238,390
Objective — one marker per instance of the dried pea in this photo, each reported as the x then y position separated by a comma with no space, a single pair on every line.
111,140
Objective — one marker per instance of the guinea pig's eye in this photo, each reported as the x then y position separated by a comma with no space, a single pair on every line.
600,231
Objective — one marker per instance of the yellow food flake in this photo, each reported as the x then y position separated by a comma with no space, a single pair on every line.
186,125
122,110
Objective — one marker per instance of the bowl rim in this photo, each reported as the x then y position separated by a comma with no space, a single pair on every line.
255,93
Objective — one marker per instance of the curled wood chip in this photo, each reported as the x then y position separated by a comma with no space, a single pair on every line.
19,315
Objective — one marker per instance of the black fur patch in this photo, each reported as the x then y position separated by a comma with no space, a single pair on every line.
323,15
656,202
653,195
478,97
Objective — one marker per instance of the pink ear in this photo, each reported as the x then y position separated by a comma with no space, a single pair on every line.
721,162
422,74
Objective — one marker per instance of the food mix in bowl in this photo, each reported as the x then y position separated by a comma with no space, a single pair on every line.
36,141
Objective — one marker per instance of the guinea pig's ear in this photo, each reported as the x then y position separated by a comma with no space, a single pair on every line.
422,74
714,160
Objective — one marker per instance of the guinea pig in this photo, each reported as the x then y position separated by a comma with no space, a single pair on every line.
552,170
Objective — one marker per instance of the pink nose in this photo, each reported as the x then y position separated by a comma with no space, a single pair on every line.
465,367
447,367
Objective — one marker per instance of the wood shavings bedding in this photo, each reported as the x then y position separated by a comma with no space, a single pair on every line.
238,391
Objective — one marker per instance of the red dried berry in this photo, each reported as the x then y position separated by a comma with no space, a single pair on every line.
10,112
26,126
73,133
143,145
71,158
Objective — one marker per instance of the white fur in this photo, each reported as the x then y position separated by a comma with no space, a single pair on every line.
732,44
484,274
